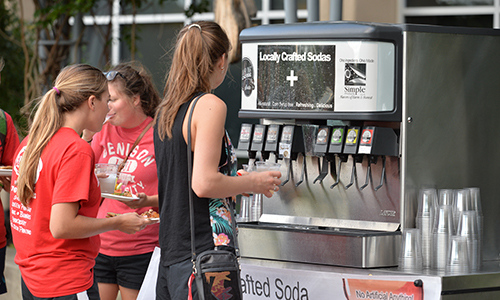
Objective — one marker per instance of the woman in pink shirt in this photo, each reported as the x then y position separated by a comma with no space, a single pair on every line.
123,259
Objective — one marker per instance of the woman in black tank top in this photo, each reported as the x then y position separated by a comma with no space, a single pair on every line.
199,65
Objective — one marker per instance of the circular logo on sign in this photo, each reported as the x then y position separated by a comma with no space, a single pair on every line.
351,136
337,136
367,136
247,81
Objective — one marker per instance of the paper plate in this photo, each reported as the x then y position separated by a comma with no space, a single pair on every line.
5,172
119,197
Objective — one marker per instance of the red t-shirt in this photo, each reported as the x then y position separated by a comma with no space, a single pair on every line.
111,145
7,154
56,267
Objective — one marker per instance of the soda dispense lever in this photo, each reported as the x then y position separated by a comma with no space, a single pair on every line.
351,147
336,147
371,160
320,149
244,143
378,141
382,177
290,145
258,138
271,145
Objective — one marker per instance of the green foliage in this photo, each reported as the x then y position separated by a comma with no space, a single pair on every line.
11,86
53,10
195,8
49,16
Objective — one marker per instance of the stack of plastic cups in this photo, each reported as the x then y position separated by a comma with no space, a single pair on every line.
445,197
245,202
458,258
257,204
467,227
460,204
410,257
442,231
424,220
475,199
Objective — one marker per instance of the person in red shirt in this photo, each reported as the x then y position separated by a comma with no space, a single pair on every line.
55,194
123,259
9,141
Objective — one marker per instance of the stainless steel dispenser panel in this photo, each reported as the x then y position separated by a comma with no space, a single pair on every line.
354,248
450,116
318,205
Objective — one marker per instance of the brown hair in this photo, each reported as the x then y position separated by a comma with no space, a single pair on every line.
137,81
198,48
73,86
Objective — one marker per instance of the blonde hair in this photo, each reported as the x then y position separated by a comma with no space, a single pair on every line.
73,86
137,81
198,48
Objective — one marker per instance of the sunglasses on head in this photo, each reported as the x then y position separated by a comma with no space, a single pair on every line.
111,75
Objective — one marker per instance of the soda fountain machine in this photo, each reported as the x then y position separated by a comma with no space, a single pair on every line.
361,116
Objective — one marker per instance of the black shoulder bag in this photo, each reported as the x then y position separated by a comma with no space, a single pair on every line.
216,272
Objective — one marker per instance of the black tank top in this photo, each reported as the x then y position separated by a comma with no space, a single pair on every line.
175,234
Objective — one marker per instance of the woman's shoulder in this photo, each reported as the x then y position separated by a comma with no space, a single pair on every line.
210,102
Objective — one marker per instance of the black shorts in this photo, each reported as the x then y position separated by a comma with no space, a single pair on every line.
3,286
173,281
92,293
126,271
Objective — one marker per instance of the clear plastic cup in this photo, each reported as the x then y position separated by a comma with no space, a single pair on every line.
410,258
467,227
446,197
273,166
458,256
261,166
461,203
245,202
427,201
442,230
106,174
475,199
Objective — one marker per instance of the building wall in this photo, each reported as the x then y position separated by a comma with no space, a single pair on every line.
381,11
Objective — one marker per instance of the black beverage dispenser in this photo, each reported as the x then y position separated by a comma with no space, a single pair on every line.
384,110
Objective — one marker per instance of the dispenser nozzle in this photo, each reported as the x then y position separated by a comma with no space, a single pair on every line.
371,159
302,175
289,168
353,173
324,170
382,177
338,175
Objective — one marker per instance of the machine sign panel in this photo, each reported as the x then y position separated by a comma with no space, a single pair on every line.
296,77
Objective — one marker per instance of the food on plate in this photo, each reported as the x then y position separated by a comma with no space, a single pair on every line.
6,167
125,193
111,214
120,192
150,214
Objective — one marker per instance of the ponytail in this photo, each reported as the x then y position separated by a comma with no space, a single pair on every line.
73,86
198,48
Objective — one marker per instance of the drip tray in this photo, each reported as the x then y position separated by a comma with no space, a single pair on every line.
328,246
